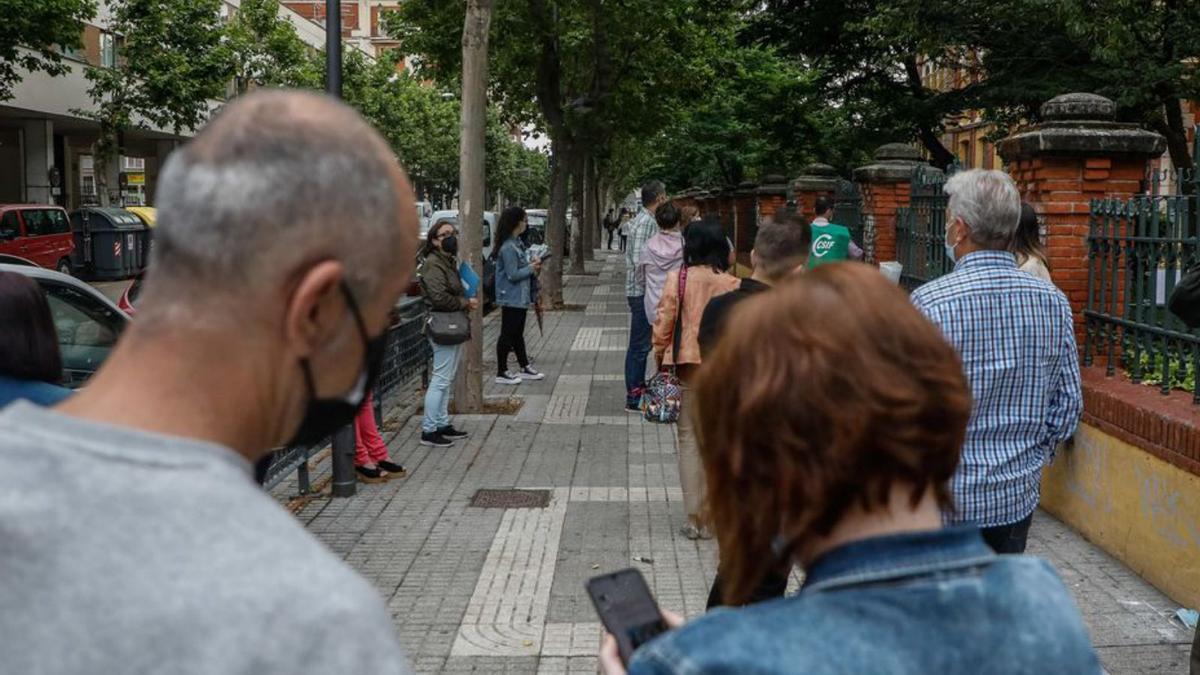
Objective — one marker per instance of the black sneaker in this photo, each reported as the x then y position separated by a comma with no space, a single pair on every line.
434,440
450,433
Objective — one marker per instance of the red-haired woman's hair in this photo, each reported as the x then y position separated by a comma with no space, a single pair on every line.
822,395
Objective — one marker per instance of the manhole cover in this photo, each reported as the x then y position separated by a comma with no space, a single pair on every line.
511,499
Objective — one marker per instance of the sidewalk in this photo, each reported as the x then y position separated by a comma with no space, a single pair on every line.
500,590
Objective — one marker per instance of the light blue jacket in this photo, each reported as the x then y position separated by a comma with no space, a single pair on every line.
907,604
513,273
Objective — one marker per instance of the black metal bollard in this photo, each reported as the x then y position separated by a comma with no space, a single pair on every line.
342,461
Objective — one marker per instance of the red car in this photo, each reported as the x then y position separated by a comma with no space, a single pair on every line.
130,297
37,232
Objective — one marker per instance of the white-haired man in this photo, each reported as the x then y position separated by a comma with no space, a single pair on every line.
1016,338
135,540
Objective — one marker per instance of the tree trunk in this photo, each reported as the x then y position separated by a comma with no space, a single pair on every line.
556,228
595,235
940,156
578,229
468,386
588,222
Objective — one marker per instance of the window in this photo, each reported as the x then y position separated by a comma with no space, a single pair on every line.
9,227
108,50
58,221
36,223
87,330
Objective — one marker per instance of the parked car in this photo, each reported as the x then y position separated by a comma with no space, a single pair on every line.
129,298
489,224
424,213
6,259
37,232
536,219
88,324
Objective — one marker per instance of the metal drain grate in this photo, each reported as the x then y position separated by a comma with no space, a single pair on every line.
511,499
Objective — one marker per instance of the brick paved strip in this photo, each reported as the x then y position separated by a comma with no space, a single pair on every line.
507,612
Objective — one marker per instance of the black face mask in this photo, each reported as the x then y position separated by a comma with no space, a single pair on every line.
450,245
326,415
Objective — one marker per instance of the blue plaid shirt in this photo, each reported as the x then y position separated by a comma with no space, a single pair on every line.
1017,342
641,228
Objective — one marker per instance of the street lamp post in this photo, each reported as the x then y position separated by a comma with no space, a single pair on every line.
344,483
333,47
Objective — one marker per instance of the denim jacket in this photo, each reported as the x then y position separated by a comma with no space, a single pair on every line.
920,603
512,275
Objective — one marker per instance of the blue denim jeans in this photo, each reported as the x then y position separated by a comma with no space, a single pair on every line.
437,397
639,347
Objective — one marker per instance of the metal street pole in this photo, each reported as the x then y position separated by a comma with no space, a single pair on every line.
333,47
341,458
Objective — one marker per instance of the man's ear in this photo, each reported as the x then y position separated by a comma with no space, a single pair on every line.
315,308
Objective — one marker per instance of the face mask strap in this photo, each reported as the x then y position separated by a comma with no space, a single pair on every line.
353,305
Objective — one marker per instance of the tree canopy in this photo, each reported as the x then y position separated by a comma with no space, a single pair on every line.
33,34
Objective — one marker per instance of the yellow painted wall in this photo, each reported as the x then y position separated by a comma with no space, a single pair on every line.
1142,510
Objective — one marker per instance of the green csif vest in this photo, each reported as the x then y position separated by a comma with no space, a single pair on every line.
831,243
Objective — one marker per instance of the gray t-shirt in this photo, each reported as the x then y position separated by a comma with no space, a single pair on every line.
129,552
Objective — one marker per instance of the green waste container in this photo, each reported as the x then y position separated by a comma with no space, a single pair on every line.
108,242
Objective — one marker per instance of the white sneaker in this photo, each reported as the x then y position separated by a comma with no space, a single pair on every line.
508,377
528,373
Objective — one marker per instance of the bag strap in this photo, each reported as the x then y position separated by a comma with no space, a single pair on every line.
677,337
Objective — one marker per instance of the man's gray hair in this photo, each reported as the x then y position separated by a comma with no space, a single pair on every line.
276,181
652,191
988,202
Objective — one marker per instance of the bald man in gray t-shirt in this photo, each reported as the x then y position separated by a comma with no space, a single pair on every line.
129,552
132,537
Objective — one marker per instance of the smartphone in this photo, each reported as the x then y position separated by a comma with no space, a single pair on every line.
627,609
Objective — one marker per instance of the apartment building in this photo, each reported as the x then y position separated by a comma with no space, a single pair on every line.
46,138
362,23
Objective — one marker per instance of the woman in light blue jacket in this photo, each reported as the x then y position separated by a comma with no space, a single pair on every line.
514,274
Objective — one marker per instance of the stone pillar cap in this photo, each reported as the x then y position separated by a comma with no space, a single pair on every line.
773,184
1081,125
817,177
894,163
1079,106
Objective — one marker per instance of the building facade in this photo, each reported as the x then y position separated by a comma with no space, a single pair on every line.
47,137
967,135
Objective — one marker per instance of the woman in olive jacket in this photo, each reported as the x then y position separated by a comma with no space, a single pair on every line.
443,289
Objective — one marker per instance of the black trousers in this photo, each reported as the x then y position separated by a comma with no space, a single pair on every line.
1008,538
610,239
624,241
774,585
512,338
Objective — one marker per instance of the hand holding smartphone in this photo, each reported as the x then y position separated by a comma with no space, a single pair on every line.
627,609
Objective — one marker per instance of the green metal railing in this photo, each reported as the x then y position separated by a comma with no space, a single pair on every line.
847,209
1137,251
921,229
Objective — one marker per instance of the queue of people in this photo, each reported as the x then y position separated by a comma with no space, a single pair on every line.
907,497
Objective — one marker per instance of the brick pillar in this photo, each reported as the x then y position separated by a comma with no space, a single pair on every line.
745,208
816,180
1076,155
724,199
772,196
886,186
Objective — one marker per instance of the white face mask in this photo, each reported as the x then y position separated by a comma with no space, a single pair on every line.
949,247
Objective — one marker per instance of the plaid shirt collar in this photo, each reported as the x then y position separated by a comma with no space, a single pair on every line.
977,260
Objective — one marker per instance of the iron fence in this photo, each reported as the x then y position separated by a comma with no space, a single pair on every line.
921,229
847,209
1137,251
406,357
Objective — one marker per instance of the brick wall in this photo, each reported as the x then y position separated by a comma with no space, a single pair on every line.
880,201
1167,427
1061,190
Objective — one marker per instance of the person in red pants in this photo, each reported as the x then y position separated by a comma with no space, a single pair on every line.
371,459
